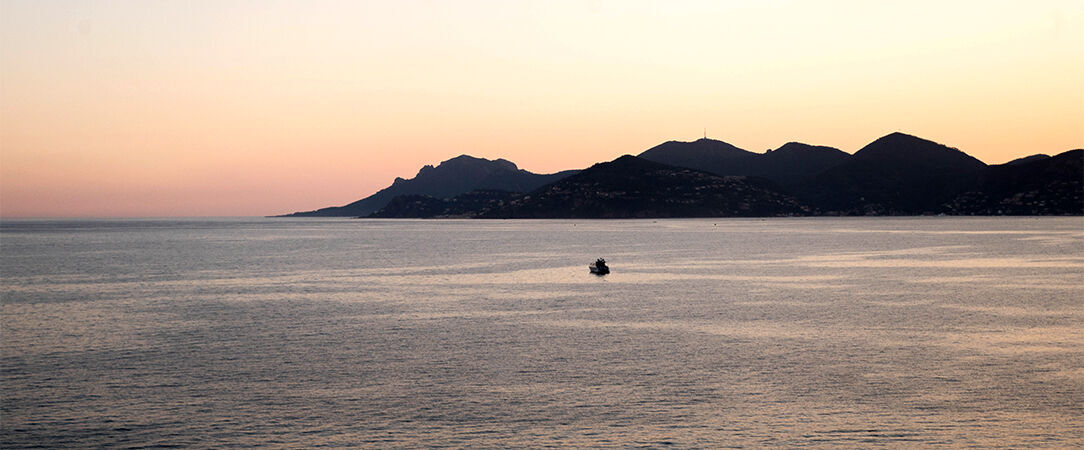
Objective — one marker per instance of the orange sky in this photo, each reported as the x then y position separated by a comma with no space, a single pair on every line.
181,108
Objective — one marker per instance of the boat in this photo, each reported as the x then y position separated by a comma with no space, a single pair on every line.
599,267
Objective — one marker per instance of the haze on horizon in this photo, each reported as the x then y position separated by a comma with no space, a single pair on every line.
177,108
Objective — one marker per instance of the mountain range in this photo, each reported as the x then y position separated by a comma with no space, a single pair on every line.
632,187
786,165
453,177
897,174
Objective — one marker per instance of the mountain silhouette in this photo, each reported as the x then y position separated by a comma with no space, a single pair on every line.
912,151
898,174
1035,185
470,204
632,187
794,162
1027,159
450,178
790,164
708,155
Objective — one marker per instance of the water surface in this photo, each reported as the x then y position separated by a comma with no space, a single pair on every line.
709,332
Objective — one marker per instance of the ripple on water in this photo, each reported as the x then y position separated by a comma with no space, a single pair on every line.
778,333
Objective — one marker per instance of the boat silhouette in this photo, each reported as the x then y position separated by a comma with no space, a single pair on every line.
599,267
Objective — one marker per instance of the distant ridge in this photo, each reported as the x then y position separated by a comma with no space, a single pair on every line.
708,155
900,148
455,176
896,174
1027,159
633,187
627,187
1027,186
794,162
787,165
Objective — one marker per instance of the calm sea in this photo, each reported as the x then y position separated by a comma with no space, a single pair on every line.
713,332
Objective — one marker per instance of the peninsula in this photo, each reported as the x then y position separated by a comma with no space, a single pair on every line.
898,174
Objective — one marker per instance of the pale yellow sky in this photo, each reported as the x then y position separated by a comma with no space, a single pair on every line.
135,108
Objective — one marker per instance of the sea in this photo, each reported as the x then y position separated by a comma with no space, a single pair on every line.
779,332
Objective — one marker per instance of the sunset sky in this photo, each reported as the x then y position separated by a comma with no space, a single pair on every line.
225,108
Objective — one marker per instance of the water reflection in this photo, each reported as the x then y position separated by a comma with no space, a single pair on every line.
778,333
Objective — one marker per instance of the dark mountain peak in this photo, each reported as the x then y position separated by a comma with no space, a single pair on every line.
451,177
787,165
625,160
622,166
790,147
901,138
705,154
1071,155
463,157
895,174
900,135
467,161
625,164
1027,159
631,186
901,148
703,147
896,139
795,162
462,164
505,164
798,147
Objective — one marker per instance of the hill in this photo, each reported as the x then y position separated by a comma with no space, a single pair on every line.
789,164
795,162
898,174
1027,159
470,204
450,178
1027,186
632,187
708,155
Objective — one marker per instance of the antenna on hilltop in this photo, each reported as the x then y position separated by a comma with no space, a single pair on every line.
705,133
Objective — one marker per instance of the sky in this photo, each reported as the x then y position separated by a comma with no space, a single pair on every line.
234,108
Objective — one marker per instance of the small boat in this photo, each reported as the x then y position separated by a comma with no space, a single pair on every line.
599,267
